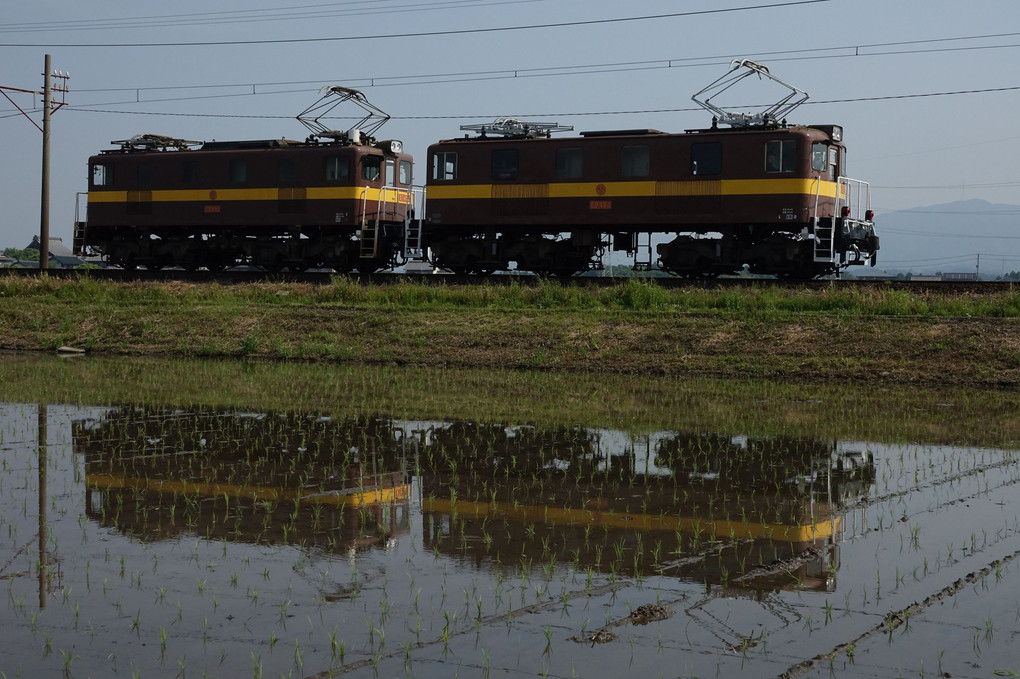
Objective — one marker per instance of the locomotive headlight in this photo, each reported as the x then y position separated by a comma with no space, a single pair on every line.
390,146
837,133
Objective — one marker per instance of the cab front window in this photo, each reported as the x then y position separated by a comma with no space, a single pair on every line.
371,168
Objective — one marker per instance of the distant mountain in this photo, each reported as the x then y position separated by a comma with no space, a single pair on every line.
949,237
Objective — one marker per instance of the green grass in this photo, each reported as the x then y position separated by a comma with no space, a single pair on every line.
836,333
765,300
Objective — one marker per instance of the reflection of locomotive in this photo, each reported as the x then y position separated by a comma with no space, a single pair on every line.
762,194
770,508
766,463
247,477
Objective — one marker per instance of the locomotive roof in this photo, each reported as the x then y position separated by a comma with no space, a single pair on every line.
834,131
157,144
250,144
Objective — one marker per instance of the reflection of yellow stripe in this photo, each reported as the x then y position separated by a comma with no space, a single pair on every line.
354,499
399,196
720,528
701,187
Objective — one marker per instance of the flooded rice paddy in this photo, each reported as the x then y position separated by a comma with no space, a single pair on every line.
751,529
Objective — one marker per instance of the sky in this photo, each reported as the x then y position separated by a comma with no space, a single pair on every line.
926,90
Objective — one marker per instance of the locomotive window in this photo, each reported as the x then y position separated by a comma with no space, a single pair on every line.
636,161
569,163
337,168
371,168
405,172
781,155
504,164
102,175
144,174
833,163
285,170
706,158
818,155
189,172
238,171
444,166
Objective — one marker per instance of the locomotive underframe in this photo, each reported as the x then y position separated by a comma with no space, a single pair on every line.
294,248
787,250
469,250
806,250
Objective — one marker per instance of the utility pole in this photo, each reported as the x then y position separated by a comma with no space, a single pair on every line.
44,209
49,107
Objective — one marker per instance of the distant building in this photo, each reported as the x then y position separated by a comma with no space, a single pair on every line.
61,256
871,275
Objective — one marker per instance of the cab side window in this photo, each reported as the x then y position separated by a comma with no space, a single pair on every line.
189,172
338,168
706,158
636,161
781,155
144,174
569,163
505,164
444,166
286,171
102,175
238,171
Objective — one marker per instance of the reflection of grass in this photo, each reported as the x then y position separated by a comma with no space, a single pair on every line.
619,401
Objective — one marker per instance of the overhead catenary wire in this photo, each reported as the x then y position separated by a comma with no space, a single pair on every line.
423,34
89,108
274,14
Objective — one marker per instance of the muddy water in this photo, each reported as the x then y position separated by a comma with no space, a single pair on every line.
171,539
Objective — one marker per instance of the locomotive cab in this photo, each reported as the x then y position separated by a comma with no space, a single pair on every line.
274,203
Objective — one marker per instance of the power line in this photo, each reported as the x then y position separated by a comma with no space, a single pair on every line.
956,259
86,108
476,76
931,234
422,34
301,12
944,187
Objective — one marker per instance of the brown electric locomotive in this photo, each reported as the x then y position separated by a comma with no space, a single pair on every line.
339,200
763,195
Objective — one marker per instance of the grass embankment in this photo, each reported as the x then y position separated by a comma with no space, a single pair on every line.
836,333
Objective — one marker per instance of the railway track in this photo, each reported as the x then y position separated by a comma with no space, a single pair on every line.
241,277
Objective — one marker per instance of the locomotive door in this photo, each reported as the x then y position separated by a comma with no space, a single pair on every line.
389,196
833,163
392,197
